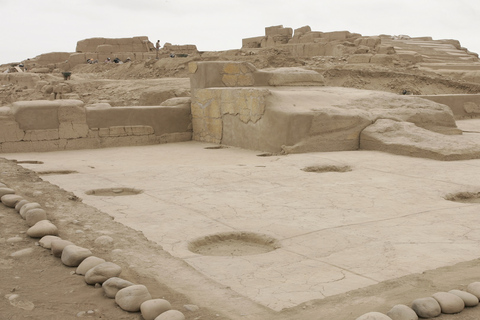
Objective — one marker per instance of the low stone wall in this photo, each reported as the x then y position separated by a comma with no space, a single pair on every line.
42,125
464,106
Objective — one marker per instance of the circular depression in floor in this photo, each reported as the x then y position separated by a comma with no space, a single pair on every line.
234,244
465,197
54,172
27,162
113,192
267,154
327,168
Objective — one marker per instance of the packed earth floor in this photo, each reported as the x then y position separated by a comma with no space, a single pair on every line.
247,235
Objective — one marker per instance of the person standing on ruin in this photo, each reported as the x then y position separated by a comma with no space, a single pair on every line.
157,46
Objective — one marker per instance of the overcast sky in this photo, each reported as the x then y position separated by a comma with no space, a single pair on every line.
32,27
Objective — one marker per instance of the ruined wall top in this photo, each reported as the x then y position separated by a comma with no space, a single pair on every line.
278,35
135,44
382,49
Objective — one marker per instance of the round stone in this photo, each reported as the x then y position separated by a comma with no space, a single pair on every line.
22,253
366,316
104,241
132,297
58,246
73,255
42,228
177,315
88,264
191,307
4,191
20,204
402,312
11,200
469,299
449,303
34,215
151,309
102,272
14,239
46,242
474,288
426,307
28,206
113,285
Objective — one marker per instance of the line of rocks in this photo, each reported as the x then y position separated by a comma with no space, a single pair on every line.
135,297
96,271
451,302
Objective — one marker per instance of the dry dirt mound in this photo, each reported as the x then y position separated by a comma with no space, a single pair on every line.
401,82
100,82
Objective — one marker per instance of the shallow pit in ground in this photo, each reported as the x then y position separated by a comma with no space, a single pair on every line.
267,154
27,162
216,147
54,172
327,168
234,244
113,192
465,197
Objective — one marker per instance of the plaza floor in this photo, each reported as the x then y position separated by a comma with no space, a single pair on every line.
385,217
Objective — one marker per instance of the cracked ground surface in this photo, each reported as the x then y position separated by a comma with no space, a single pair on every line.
383,225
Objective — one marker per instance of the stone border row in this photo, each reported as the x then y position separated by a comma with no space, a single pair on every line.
451,302
96,271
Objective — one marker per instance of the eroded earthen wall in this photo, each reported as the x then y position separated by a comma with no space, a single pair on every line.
32,126
464,106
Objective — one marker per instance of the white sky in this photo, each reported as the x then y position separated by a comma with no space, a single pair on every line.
32,27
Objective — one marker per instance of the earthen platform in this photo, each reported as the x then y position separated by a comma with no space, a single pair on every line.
338,221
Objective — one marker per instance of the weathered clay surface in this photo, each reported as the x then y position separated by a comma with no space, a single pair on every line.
406,138
358,50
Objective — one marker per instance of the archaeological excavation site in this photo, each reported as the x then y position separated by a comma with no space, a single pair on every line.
305,175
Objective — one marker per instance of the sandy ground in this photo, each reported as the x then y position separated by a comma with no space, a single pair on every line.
48,290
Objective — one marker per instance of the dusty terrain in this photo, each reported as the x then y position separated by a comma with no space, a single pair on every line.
47,289
134,83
